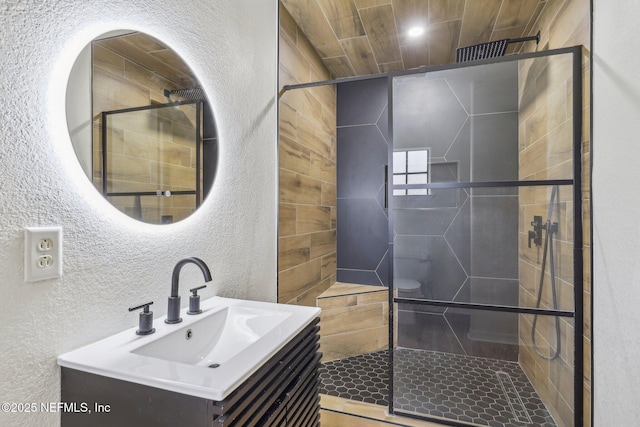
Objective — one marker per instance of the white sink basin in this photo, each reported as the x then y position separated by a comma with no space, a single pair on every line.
216,338
206,355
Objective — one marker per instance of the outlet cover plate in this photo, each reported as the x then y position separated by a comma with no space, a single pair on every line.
35,251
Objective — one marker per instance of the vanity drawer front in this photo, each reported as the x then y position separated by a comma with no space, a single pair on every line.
269,396
113,402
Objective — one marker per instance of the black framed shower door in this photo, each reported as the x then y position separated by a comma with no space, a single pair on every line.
456,219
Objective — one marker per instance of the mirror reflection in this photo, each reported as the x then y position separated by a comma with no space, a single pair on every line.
141,126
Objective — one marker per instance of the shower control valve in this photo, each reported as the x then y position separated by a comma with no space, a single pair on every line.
536,233
551,227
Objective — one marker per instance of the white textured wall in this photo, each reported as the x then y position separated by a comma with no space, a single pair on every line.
616,212
111,261
79,109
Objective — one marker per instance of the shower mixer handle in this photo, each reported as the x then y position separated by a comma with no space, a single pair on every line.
536,233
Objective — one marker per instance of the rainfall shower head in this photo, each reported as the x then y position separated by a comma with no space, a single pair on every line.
481,51
490,49
189,94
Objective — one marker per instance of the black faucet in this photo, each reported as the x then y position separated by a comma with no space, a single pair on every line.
173,310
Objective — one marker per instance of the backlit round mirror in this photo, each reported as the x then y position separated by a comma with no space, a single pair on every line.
142,127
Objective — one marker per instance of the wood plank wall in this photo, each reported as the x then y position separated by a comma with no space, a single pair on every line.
307,172
562,23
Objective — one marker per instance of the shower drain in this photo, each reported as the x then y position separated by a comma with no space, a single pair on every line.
518,408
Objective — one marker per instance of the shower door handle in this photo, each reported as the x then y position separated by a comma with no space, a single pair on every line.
386,186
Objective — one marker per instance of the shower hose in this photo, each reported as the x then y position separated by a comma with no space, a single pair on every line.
550,229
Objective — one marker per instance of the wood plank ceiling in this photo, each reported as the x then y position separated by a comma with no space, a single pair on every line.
153,55
359,37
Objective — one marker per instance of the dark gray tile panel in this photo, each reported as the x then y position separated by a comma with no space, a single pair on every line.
461,322
459,236
494,140
494,237
362,235
429,260
494,291
426,114
460,152
439,198
361,102
486,88
426,331
361,277
383,270
485,333
494,326
361,157
425,222
380,198
383,124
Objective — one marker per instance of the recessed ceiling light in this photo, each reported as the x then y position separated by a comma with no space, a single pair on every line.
415,31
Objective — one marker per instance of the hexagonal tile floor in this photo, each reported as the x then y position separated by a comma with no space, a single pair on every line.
363,377
485,392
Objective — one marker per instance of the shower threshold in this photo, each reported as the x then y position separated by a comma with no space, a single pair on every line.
459,388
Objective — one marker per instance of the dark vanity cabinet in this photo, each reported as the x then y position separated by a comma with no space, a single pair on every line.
282,392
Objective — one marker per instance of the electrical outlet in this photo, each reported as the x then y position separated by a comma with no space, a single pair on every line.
42,253
45,261
45,245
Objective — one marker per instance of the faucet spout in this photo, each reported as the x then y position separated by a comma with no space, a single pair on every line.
173,310
176,272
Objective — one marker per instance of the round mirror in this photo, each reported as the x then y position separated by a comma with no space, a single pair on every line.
142,127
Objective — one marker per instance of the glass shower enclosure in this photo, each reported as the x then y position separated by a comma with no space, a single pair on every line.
485,241
459,189
150,160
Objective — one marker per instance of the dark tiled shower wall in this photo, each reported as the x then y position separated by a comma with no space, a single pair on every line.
362,234
468,238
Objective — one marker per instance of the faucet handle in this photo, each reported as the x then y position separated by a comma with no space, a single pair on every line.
194,300
145,323
195,290
139,306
